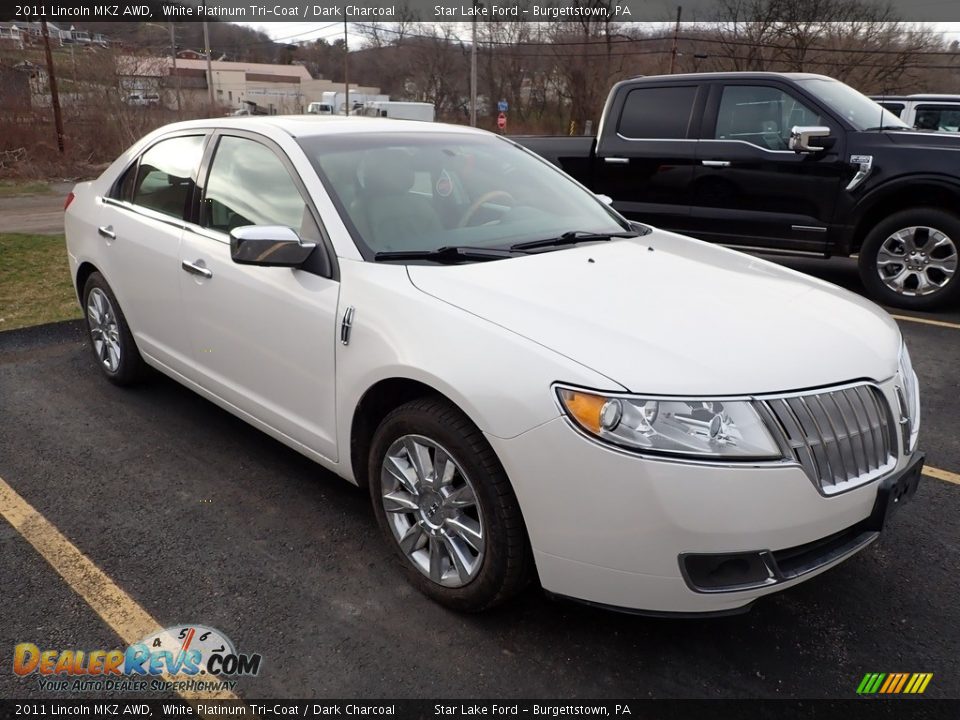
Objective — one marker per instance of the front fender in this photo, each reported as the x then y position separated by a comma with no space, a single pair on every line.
499,379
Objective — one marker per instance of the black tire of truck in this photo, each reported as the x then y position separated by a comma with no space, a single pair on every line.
909,259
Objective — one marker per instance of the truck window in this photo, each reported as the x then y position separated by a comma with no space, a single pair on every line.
761,116
657,112
945,118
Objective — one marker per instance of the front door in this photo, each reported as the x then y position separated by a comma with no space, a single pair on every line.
263,337
749,188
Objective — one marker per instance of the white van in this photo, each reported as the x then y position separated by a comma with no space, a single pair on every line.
319,108
400,110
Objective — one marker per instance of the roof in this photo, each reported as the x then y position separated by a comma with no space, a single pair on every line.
318,125
743,75
160,65
918,96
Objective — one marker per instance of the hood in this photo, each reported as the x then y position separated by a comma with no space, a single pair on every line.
667,314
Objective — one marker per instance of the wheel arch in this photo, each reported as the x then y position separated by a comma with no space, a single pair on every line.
84,271
375,404
912,192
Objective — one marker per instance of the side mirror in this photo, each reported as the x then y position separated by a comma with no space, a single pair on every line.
801,135
605,199
268,246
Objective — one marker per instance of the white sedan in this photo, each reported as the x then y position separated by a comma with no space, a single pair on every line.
530,386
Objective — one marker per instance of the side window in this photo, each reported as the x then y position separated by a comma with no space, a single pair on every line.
945,118
164,180
249,185
761,116
657,112
123,188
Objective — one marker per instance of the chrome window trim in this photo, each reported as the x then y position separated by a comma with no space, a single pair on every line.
145,212
706,140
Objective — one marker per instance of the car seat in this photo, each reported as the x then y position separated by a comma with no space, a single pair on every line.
386,212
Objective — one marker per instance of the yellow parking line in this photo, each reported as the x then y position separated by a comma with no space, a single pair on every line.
117,609
939,474
925,321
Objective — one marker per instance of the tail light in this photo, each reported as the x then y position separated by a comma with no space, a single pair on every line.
66,203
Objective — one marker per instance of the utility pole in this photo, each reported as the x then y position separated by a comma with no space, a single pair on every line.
346,69
676,32
206,47
54,95
173,56
473,70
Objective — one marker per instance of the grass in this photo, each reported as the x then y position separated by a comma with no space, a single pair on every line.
11,188
35,284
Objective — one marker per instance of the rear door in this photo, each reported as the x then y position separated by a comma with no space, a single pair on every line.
142,221
749,188
646,153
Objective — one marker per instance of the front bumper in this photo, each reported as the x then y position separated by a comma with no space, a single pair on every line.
613,529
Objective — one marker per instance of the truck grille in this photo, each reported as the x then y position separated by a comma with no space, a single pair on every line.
842,437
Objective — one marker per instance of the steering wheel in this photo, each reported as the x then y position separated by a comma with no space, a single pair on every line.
485,198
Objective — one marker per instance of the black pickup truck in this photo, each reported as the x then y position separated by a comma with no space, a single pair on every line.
780,162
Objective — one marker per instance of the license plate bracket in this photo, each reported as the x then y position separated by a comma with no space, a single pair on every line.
894,491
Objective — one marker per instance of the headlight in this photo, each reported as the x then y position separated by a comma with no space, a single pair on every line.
697,428
911,398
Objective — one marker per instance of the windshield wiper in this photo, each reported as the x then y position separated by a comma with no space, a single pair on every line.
572,238
447,254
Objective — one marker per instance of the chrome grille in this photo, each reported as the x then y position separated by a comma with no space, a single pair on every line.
842,437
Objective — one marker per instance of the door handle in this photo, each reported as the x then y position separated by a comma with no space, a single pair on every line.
716,163
107,232
617,160
196,269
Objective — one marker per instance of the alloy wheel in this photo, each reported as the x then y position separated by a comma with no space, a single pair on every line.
104,330
917,261
433,511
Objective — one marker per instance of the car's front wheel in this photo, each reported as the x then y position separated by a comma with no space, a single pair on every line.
445,504
909,260
110,337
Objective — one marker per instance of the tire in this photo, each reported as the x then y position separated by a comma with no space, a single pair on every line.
424,520
929,278
111,341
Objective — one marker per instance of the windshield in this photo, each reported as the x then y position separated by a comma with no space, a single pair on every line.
859,110
420,192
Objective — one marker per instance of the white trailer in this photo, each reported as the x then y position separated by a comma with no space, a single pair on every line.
400,110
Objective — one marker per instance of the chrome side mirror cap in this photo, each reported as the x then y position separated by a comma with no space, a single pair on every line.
801,135
268,246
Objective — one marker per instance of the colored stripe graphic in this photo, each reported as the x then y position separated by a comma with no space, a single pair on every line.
894,683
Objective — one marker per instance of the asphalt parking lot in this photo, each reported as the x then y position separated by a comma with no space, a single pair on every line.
199,518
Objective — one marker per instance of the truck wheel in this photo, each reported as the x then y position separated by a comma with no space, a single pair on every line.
909,259
444,503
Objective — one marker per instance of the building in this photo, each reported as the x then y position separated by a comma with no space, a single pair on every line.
274,89
12,35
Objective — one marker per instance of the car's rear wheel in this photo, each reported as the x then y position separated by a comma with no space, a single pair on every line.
110,337
910,259
444,503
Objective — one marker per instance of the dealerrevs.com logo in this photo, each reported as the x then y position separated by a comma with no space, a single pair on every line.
184,657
